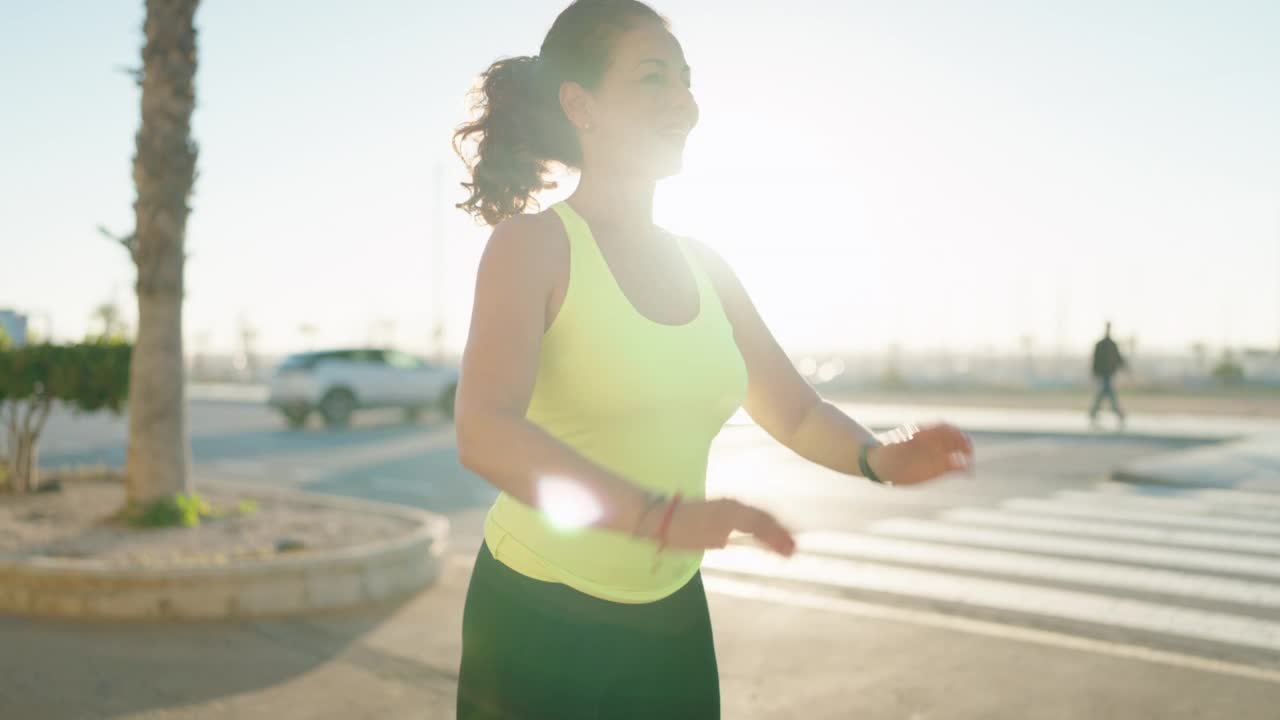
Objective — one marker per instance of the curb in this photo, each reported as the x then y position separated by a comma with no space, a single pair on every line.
1132,477
232,393
322,581
1269,486
1240,465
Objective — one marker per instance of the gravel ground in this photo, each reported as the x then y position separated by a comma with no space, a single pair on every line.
76,522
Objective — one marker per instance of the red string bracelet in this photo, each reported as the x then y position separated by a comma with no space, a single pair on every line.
666,521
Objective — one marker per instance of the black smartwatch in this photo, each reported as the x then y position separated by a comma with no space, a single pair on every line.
865,466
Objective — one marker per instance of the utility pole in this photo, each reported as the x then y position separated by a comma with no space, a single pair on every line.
437,264
1060,362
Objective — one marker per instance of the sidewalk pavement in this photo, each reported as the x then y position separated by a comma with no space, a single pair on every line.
390,661
397,662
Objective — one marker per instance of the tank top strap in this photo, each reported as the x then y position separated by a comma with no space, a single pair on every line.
707,294
575,227
588,271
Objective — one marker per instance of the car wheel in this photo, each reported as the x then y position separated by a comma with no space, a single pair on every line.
296,418
446,402
336,408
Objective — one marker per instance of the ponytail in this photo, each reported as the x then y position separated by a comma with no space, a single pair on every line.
520,131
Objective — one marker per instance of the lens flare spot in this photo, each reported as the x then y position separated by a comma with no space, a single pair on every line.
567,504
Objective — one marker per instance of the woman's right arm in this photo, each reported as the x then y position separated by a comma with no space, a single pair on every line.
517,273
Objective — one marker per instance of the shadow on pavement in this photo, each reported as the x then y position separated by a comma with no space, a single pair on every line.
135,667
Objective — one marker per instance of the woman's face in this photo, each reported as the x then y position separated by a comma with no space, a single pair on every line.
639,115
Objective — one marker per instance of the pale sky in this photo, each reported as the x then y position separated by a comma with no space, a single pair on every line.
933,174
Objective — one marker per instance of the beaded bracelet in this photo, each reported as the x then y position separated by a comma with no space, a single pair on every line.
664,528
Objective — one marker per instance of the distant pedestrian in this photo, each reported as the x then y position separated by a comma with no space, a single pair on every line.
1107,361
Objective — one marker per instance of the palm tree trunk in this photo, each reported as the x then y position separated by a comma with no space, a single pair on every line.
158,462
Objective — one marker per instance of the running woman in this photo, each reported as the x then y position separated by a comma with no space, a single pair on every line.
604,356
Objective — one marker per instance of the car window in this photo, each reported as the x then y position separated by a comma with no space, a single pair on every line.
374,357
405,361
302,360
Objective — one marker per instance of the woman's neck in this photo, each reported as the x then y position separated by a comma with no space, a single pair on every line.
610,200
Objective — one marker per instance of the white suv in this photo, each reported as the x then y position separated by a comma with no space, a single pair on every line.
338,382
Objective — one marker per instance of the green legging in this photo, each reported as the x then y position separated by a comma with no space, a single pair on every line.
534,650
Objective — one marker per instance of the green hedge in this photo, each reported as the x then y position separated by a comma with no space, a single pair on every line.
89,376
86,377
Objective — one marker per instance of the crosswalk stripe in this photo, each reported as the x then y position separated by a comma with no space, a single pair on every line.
1178,504
1241,496
1093,528
1002,595
1127,577
750,590
1051,507
1059,545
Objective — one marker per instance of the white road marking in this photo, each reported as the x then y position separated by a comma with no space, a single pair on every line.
1111,575
1050,507
1059,545
1241,497
1142,533
1172,504
1023,598
732,587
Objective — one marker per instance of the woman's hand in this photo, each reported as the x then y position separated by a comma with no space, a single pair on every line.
912,456
707,525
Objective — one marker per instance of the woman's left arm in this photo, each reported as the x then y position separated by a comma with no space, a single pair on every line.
793,413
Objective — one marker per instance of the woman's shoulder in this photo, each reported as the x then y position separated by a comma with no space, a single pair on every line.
529,243
529,229
529,236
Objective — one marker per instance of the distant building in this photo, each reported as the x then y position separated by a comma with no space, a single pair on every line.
14,326
1261,366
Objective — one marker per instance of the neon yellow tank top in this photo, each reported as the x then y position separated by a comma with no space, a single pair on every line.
640,398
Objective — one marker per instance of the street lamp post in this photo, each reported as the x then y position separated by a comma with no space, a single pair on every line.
437,263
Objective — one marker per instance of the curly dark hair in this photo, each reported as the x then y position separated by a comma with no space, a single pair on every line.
519,129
